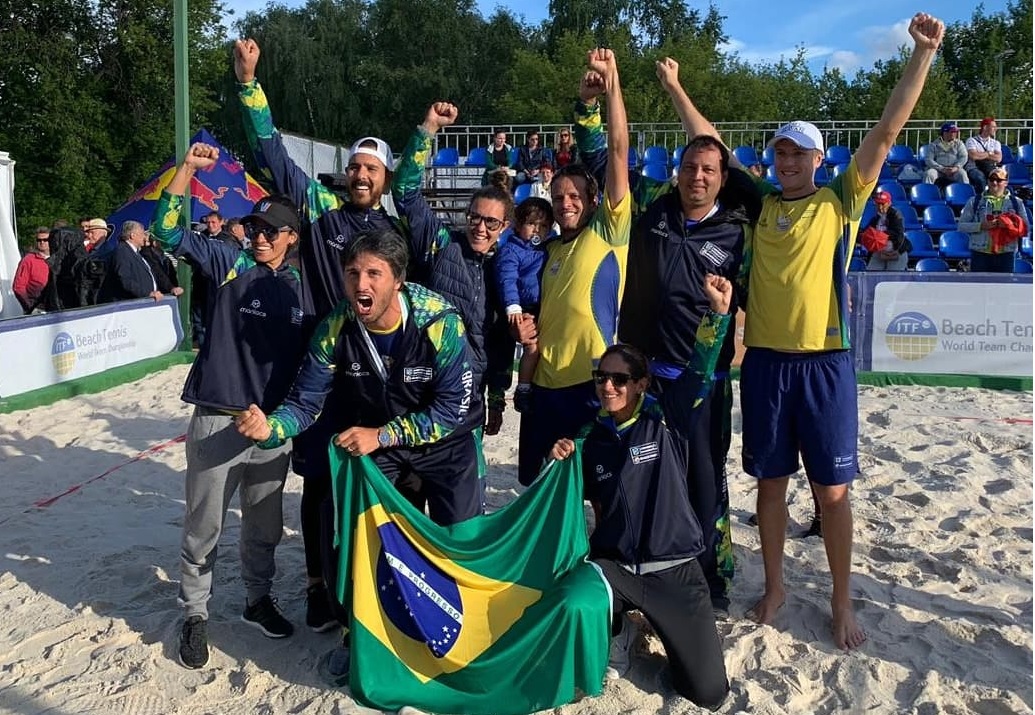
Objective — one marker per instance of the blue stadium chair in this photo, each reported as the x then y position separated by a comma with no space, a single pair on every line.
771,176
857,265
932,265
887,173
446,156
957,195
479,156
898,193
954,245
1008,157
746,155
939,218
514,152
923,195
1017,174
901,154
634,158
922,245
921,156
860,250
869,211
838,154
655,155
522,192
1026,246
910,220
822,176
839,169
656,171
909,178
768,156
1024,154
677,154
1021,266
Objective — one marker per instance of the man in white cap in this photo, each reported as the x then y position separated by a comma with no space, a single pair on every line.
329,225
798,387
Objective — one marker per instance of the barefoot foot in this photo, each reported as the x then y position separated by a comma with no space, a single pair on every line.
847,633
765,610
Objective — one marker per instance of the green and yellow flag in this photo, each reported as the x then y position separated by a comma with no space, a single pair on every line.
501,614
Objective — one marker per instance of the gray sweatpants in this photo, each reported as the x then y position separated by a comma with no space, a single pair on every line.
219,462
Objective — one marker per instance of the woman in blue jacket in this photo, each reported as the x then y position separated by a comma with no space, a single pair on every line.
646,538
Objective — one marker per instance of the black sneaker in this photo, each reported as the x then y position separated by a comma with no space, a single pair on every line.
265,616
194,643
318,614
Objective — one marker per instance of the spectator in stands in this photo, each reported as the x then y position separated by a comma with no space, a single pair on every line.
129,274
984,153
500,178
519,270
236,229
161,267
95,234
531,158
250,359
565,151
202,289
541,187
67,253
215,227
33,272
330,224
798,385
583,273
946,157
499,151
894,256
461,266
995,220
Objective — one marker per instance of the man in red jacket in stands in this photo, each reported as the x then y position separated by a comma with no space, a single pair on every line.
30,278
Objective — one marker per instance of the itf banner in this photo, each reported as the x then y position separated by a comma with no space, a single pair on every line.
37,351
971,327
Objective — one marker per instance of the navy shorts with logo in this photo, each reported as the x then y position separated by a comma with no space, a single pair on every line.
800,403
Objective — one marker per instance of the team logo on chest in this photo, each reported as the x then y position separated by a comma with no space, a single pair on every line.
643,453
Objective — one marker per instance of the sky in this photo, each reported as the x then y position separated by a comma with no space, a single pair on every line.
849,35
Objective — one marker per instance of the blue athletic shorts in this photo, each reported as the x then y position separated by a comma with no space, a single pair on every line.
803,403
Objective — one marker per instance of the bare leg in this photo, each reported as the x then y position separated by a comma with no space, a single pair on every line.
837,539
771,508
528,362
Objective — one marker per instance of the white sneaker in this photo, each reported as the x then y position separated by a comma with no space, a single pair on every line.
620,656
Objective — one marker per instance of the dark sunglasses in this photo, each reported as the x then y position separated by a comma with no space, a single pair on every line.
253,231
493,224
618,379
997,181
42,240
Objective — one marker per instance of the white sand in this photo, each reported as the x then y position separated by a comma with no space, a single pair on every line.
943,572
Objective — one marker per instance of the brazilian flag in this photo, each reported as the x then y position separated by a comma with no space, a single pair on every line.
500,614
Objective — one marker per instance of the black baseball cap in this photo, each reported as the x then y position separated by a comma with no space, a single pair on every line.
274,212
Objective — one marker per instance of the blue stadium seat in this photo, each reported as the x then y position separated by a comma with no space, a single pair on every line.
901,154
634,158
1024,154
1017,174
857,265
677,154
895,189
655,155
446,156
923,195
921,156
932,265
1026,246
939,218
1021,266
656,171
514,151
746,155
838,154
910,220
957,195
839,169
768,156
822,176
887,173
954,245
522,192
771,176
479,156
911,177
1008,157
923,246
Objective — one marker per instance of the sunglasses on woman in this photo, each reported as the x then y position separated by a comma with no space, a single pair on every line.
618,379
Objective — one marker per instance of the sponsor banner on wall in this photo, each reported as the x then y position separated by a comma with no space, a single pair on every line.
37,351
952,328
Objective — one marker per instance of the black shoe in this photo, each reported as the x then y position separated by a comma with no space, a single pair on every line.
194,643
265,616
815,529
523,401
318,614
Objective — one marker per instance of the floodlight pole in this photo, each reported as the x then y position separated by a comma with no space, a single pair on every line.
182,114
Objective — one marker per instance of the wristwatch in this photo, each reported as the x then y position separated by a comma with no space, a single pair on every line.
383,438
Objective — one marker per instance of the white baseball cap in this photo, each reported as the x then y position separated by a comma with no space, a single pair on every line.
379,148
804,134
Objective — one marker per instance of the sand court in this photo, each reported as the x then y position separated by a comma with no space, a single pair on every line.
91,507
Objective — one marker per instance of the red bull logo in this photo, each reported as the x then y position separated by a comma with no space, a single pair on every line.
252,190
205,195
153,189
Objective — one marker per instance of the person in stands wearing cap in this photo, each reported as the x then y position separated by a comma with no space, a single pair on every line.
95,236
888,219
996,220
329,224
798,386
946,158
984,153
253,351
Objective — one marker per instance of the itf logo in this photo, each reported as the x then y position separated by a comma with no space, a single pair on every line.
62,354
911,336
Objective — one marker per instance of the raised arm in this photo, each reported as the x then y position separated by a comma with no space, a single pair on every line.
927,33
616,184
694,123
